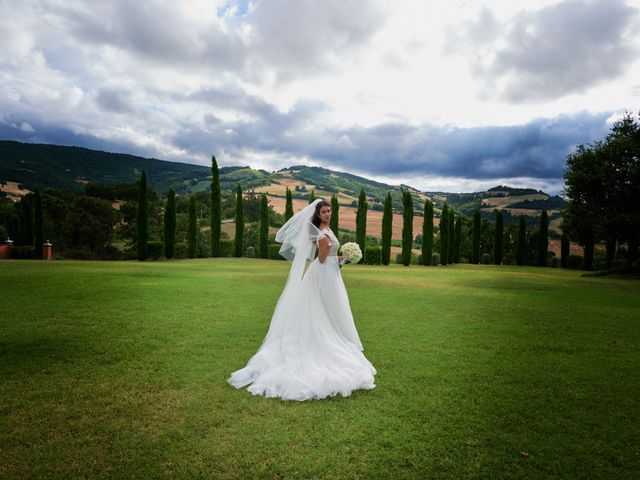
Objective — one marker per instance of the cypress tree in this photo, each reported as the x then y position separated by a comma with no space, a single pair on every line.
142,226
564,250
427,233
543,239
26,221
216,209
476,237
588,254
39,224
264,226
288,209
458,240
407,227
444,235
335,207
170,225
193,227
611,251
387,225
312,196
522,238
499,243
451,218
238,243
361,220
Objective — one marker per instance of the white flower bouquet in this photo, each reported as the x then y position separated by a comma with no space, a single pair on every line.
351,252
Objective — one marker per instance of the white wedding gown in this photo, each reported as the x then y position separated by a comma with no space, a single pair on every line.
315,351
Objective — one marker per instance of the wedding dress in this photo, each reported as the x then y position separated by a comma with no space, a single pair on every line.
312,349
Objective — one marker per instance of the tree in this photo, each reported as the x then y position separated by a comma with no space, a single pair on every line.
361,220
216,209
264,226
458,240
193,228
288,209
312,196
452,219
499,247
142,223
26,220
39,223
407,227
91,222
543,239
475,256
170,225
238,244
387,226
444,235
335,209
564,250
522,240
427,232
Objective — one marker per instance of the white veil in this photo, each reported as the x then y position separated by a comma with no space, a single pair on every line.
298,237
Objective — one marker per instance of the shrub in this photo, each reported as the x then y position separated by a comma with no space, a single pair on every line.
435,259
79,253
226,247
486,259
251,252
555,262
155,249
574,261
129,254
107,252
399,258
180,250
23,251
274,249
509,259
373,255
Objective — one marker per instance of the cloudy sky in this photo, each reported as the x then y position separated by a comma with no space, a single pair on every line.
452,95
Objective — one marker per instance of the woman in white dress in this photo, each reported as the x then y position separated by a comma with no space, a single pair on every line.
312,349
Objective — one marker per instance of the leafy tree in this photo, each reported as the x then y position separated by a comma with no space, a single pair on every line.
407,227
238,245
522,239
288,210
264,227
387,225
335,212
39,223
475,257
216,208
457,240
361,220
142,225
427,232
564,250
444,235
497,258
193,228
92,221
170,225
543,239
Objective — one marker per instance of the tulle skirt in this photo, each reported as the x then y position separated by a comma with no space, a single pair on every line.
312,349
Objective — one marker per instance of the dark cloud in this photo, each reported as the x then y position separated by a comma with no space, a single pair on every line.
545,54
114,100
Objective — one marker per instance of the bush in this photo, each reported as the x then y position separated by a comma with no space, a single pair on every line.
574,261
373,255
399,258
107,252
23,251
435,259
155,249
251,252
509,259
129,254
80,253
226,247
274,249
180,250
3,233
555,262
486,259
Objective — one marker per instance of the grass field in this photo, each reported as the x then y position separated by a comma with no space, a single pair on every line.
118,370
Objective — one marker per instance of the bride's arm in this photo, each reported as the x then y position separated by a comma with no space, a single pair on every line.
324,245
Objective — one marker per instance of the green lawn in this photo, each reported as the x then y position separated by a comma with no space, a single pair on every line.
118,370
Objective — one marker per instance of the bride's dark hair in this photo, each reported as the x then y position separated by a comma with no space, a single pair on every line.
316,219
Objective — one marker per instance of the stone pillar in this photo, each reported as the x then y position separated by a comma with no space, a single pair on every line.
5,249
46,251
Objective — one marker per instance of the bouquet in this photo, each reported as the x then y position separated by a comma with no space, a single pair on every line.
351,253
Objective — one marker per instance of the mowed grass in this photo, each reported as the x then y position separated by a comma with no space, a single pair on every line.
118,370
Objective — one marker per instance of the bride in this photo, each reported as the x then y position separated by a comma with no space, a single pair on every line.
312,349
